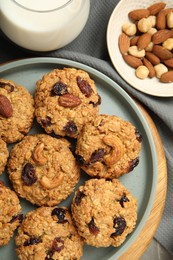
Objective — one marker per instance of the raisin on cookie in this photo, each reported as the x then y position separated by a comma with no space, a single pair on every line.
104,220
3,155
108,147
48,233
10,214
42,169
17,111
65,100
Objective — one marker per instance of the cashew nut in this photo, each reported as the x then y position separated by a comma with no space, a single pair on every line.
117,149
168,44
129,28
170,20
142,72
133,50
52,183
160,69
37,155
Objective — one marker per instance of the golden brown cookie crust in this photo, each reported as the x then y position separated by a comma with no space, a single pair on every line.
48,233
108,147
14,126
42,169
66,100
10,213
104,212
3,155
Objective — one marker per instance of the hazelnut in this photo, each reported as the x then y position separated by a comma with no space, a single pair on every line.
168,44
142,72
152,31
144,25
129,28
160,69
152,20
150,46
170,20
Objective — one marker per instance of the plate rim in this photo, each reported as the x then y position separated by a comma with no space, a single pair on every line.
126,96
110,51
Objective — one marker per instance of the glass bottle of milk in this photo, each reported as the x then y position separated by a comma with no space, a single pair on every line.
43,25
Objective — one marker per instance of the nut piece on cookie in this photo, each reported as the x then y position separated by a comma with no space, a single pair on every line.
65,100
48,233
43,169
108,147
10,214
16,111
3,155
106,220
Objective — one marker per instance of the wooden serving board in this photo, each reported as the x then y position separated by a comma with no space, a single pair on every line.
142,241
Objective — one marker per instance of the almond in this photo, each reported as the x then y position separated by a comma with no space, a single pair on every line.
138,14
156,8
69,101
171,32
152,58
6,109
161,52
150,67
132,61
133,40
161,36
161,20
143,41
167,77
169,62
124,43
167,10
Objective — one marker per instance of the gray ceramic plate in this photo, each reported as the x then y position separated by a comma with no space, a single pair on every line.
141,182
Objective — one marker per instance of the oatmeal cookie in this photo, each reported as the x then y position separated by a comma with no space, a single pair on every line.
48,233
3,155
17,111
42,169
65,100
108,147
104,212
10,213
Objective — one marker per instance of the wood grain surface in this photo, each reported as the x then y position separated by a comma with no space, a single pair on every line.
141,243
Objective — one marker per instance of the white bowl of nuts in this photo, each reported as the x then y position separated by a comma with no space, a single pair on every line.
140,45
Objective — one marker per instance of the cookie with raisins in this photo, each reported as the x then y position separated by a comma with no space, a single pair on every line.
3,155
108,147
10,213
17,111
65,100
48,233
43,169
104,220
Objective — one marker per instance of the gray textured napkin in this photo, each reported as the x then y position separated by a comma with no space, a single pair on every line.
90,48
